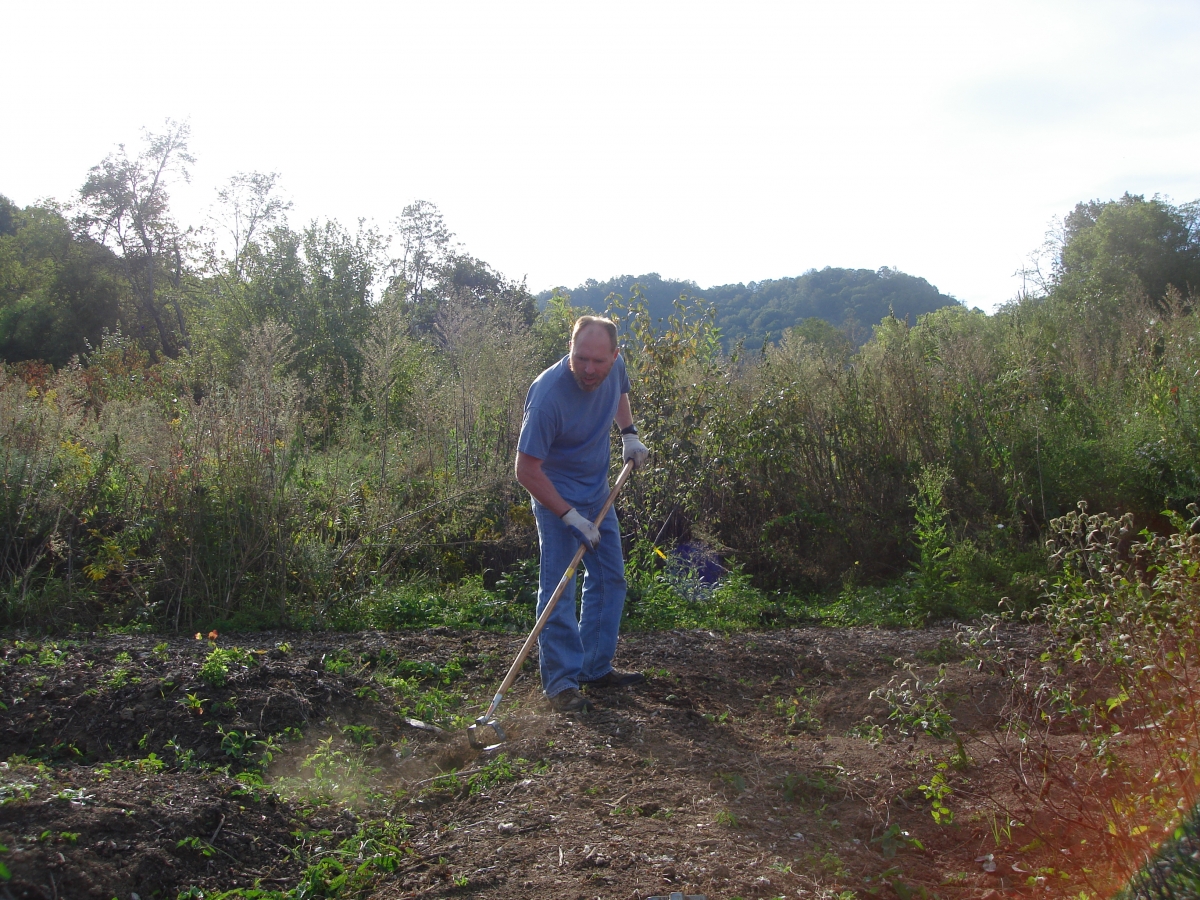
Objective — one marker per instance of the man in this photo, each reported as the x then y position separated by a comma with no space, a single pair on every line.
562,460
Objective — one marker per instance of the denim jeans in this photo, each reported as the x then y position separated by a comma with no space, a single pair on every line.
574,650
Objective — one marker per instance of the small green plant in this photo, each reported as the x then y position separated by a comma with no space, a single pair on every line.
117,678
727,819
917,705
16,790
801,714
461,881
151,764
123,658
161,651
734,779
193,703
932,537
74,795
66,837
185,757
829,863
228,705
220,661
498,771
236,744
947,651
936,792
814,785
51,656
893,840
336,773
869,731
339,663
200,845
361,735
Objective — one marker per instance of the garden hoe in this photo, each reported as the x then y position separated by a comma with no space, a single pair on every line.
478,734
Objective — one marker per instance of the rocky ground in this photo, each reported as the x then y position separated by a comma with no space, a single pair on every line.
337,765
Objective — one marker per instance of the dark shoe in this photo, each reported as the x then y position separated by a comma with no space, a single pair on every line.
570,701
617,679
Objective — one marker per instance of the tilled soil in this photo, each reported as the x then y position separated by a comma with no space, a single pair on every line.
746,766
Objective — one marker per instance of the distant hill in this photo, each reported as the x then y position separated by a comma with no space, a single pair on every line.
850,299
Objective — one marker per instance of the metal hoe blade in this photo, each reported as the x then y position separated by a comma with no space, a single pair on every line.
478,733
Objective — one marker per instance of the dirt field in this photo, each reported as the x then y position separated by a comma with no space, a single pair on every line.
747,766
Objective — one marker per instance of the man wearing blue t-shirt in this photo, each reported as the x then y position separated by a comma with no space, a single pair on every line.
562,460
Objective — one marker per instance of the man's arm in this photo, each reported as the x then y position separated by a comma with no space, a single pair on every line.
534,480
624,416
631,446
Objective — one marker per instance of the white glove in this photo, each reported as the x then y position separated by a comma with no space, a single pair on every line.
632,448
585,531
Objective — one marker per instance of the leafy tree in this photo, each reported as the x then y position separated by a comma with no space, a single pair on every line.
823,334
425,250
431,272
59,291
1111,248
246,211
127,207
248,204
8,212
318,282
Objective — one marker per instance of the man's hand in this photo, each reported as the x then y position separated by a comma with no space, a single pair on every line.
585,531
632,448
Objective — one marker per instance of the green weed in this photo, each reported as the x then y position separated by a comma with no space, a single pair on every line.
726,819
917,705
893,840
936,791
221,661
201,846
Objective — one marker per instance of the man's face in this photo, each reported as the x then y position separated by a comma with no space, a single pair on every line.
591,358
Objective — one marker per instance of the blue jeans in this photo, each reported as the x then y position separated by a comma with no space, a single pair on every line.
574,650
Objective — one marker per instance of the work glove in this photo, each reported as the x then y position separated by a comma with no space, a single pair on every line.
632,448
584,531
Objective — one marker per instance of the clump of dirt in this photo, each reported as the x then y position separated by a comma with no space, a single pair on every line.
752,765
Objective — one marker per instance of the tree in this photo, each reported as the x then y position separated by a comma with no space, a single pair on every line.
245,214
320,283
59,290
126,207
248,205
425,249
1115,247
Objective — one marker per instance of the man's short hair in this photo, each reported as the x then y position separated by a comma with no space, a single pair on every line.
607,324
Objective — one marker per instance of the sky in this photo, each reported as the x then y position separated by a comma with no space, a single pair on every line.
715,142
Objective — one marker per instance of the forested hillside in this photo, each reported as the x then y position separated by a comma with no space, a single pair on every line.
260,423
852,300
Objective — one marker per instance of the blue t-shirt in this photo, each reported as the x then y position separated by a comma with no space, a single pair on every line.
569,429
